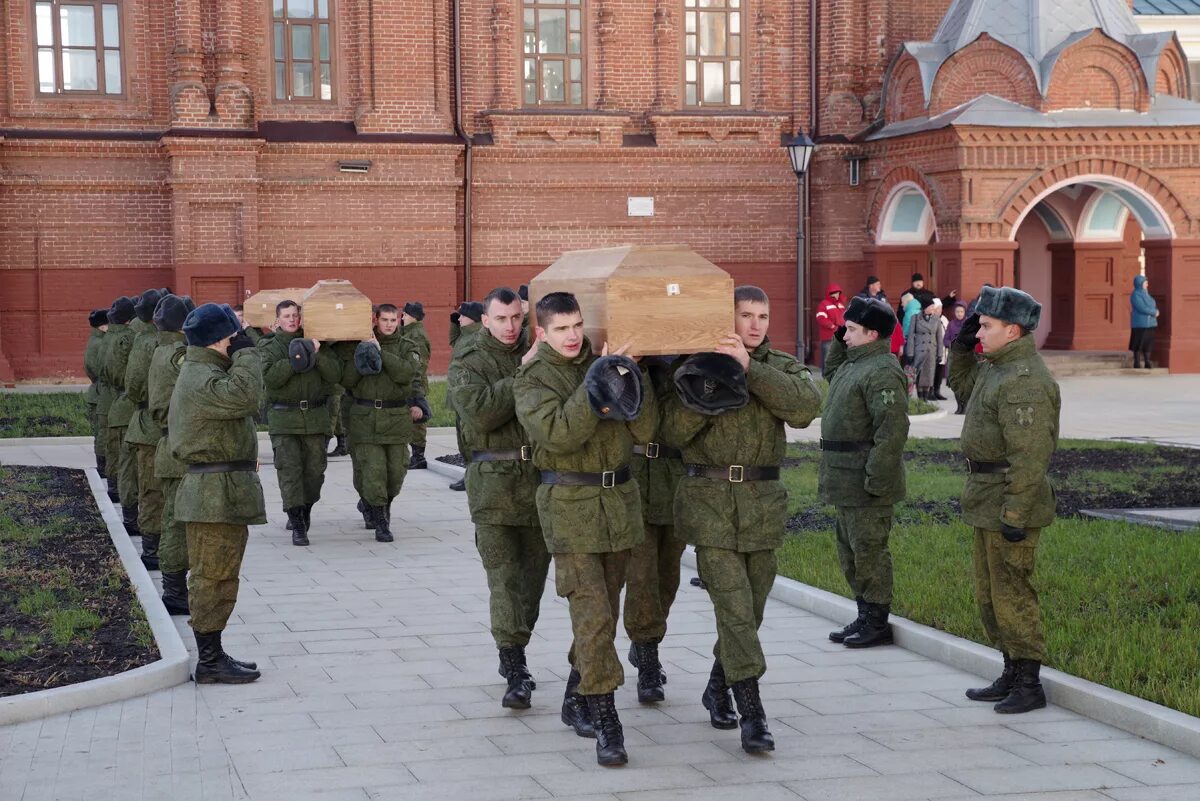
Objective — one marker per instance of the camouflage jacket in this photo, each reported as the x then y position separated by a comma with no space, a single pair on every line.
747,516
396,382
552,406
142,428
92,366
658,478
481,384
867,402
285,385
119,342
462,336
164,371
1012,415
211,419
414,333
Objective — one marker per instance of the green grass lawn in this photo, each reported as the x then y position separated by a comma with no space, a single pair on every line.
1120,602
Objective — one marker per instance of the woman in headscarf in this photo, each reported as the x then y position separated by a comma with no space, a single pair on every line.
1143,317
924,347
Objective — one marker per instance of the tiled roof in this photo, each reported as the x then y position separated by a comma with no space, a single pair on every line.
1152,8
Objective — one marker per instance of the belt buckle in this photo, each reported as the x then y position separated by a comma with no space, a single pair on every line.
378,403
737,474
526,453
608,479
304,406
651,450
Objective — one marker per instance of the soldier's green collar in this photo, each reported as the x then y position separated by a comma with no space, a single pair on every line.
203,355
388,339
870,349
760,353
1017,349
554,357
286,337
488,341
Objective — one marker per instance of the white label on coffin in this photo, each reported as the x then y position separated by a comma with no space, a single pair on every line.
672,289
338,306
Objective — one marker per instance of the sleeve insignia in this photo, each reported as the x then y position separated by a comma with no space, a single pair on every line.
888,396
1025,416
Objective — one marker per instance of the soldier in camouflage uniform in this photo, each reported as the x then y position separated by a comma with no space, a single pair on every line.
1009,434
502,486
104,400
589,508
299,416
92,365
118,343
413,329
462,332
143,433
863,431
732,506
211,429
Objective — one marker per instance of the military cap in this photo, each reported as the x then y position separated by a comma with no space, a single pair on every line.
415,309
302,355
191,304
523,292
367,359
122,311
98,317
209,323
614,388
1010,305
872,313
472,309
144,306
170,313
712,383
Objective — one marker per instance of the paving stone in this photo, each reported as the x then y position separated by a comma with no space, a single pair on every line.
1158,770
940,759
994,781
499,788
1097,751
630,778
908,787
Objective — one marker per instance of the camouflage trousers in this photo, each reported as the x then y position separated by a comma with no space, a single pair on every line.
591,583
1004,592
651,582
172,548
127,470
100,438
300,467
215,553
112,454
340,403
94,420
150,497
516,562
419,434
379,471
738,584
862,550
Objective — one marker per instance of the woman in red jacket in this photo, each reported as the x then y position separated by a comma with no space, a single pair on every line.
831,315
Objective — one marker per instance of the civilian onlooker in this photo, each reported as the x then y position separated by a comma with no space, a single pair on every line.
910,308
924,347
873,289
939,374
830,317
1143,321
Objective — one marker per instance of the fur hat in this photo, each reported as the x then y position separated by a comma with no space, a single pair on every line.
523,292
423,405
614,388
367,359
711,383
917,277
191,304
1010,305
122,311
415,309
872,313
209,323
144,306
170,313
302,354
473,309
98,317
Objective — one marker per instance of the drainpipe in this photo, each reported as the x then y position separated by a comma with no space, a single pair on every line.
805,201
468,155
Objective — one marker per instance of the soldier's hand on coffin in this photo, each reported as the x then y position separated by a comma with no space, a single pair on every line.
539,336
621,351
316,345
732,345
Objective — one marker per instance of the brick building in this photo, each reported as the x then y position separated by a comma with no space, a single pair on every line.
432,150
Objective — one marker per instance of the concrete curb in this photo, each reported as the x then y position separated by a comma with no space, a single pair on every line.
1124,711
449,470
172,668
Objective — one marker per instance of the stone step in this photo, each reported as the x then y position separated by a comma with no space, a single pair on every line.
1078,363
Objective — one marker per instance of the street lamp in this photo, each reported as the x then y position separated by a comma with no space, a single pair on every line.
800,150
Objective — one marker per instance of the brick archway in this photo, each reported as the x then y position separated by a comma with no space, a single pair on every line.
906,174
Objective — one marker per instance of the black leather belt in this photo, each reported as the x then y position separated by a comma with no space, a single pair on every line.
522,454
986,467
143,405
652,450
303,405
734,473
380,404
844,446
607,479
224,467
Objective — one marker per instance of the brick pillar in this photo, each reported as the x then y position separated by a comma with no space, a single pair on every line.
666,57
967,266
1171,267
403,67
1089,296
233,100
189,97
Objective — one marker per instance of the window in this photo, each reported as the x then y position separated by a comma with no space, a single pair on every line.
712,52
78,47
552,52
303,49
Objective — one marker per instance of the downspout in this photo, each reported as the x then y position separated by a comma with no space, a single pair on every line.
802,288
468,154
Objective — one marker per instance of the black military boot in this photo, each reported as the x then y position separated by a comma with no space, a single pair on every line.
215,666
961,408
365,511
129,518
1027,693
299,530
717,701
999,689
854,626
875,630
383,528
417,461
175,593
150,551
651,676
100,465
575,709
610,737
114,494
308,516
340,448
460,485
756,738
512,668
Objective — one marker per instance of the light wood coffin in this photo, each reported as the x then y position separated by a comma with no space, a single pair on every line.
335,310
665,299
259,309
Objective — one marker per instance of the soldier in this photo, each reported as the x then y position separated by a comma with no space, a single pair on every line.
501,492
383,382
582,413
1009,434
211,429
653,575
92,365
863,431
165,363
731,503
143,433
299,376
119,342
108,394
413,328
461,334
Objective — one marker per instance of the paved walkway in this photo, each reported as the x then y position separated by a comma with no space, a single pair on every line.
379,682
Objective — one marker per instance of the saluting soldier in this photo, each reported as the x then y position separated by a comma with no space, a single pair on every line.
501,492
583,415
1009,434
731,504
93,366
211,428
118,342
413,328
863,431
143,433
299,376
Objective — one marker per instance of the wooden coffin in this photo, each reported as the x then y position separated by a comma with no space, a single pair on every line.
664,299
259,309
335,310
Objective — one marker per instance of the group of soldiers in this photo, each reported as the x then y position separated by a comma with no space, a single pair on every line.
609,465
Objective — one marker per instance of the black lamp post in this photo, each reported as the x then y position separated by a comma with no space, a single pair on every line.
800,150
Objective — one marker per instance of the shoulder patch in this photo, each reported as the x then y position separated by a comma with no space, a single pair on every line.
178,356
888,396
